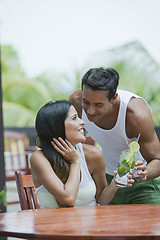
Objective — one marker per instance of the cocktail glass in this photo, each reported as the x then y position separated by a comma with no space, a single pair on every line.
126,163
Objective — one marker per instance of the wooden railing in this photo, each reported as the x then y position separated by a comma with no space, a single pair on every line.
29,131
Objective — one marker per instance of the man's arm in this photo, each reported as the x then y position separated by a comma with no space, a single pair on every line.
139,120
76,100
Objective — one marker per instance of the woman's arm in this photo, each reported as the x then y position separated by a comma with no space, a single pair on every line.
42,171
96,166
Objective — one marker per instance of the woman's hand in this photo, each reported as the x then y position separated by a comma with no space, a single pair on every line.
66,149
130,180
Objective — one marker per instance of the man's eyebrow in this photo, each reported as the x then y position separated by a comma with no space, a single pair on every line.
94,103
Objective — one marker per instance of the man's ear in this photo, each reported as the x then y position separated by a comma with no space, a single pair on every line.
114,98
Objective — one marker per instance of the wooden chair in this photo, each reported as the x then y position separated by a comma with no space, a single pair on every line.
16,154
26,191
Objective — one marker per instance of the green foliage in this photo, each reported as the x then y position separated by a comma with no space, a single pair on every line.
140,83
123,167
26,93
10,64
58,85
22,97
3,198
17,115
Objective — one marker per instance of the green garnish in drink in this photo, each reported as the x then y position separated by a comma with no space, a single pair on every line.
128,159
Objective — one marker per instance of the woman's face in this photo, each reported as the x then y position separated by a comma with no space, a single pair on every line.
74,127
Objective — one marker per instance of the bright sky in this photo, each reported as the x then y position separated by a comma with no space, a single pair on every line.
61,35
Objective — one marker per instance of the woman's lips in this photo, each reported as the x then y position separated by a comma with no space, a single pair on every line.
81,130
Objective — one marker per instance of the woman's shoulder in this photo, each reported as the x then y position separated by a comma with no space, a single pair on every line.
92,151
36,154
37,157
94,157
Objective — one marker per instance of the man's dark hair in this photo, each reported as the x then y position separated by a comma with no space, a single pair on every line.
102,79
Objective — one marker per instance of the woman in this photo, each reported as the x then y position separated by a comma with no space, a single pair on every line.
66,172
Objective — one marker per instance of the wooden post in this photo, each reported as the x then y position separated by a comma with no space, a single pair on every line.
2,166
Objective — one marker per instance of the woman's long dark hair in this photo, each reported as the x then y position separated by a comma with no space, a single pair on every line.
50,124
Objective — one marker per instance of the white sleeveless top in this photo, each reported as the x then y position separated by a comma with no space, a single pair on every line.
86,192
115,140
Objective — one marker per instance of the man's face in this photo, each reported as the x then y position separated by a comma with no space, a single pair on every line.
95,103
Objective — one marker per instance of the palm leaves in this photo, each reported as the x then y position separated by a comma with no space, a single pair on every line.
22,97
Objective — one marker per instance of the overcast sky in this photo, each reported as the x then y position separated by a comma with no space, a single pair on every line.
62,34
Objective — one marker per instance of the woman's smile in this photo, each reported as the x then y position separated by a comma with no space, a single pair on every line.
74,127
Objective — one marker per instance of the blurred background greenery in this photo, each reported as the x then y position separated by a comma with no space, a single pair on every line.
23,96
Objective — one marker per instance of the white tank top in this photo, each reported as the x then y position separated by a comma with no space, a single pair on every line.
86,192
113,141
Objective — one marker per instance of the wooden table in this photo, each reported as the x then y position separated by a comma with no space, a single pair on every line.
101,222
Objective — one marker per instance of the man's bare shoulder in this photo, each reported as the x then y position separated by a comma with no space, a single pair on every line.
137,107
76,100
138,116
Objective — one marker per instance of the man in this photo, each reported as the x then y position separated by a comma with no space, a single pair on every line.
114,118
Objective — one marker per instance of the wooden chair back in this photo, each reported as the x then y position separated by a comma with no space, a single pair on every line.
15,155
26,191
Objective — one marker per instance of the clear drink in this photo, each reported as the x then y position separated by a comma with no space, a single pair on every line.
124,167
126,162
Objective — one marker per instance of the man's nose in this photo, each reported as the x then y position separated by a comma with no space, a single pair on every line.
91,110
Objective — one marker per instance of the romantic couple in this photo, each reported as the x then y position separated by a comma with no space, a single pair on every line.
68,172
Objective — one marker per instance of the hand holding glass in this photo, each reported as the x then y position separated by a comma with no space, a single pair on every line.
127,161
